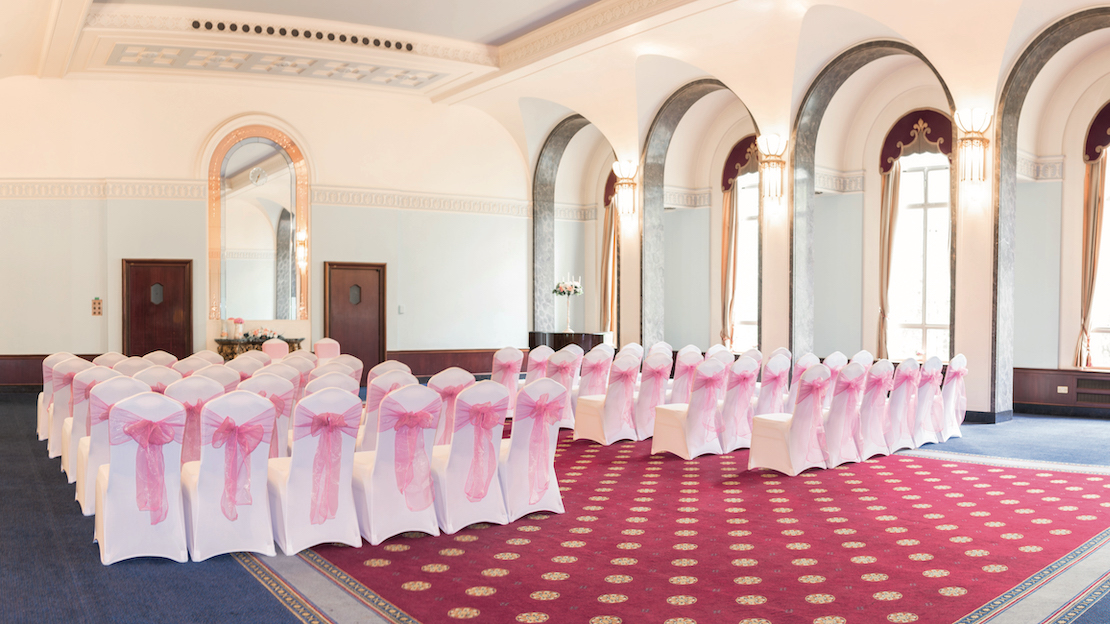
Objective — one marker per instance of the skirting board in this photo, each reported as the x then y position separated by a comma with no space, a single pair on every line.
988,418
1062,410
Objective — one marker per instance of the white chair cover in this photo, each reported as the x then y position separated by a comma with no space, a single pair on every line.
464,473
448,383
229,378
161,358
138,493
755,355
46,397
782,351
719,348
537,363
874,421
393,484
842,426
261,356
653,391
863,358
193,393
609,417
92,447
792,443
562,367
284,371
302,353
684,368
109,359
310,492
772,387
580,354
245,365
330,367
901,407
158,377
527,459
385,367
662,346
75,427
352,363
375,392
723,355
803,364
62,378
507,362
190,365
224,494
928,421
325,349
304,368
276,348
739,406
279,392
693,429
335,379
834,362
608,348
132,365
955,397
210,356
595,374
691,349
632,350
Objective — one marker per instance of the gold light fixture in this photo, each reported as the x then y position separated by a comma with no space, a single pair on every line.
973,124
625,187
772,166
302,250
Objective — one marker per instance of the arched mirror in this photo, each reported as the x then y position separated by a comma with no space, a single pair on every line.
258,227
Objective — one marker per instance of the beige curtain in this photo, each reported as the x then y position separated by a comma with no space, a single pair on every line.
728,263
888,218
609,268
1093,207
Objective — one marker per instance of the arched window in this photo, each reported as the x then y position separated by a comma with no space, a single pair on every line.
915,237
1094,338
740,262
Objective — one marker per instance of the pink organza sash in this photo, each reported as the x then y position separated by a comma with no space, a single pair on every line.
535,364
815,434
852,389
330,428
98,413
710,386
683,369
545,412
80,394
935,420
596,371
67,380
627,379
449,395
903,376
956,376
410,461
158,387
244,375
191,440
875,390
743,383
562,371
376,393
280,402
150,464
238,442
774,383
505,370
658,377
483,464
799,370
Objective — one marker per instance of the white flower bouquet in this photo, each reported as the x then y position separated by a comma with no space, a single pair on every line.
567,288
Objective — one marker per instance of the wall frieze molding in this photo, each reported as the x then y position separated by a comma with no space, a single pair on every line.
1039,168
102,189
575,212
832,181
340,196
678,197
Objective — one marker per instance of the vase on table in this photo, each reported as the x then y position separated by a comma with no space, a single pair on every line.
238,331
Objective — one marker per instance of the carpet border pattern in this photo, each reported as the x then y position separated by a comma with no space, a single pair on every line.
363,593
1083,600
1008,462
293,600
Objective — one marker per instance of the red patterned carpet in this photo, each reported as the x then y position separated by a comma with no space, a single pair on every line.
661,540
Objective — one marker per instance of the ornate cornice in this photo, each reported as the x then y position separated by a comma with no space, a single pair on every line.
1031,167
339,196
102,189
575,212
831,181
678,197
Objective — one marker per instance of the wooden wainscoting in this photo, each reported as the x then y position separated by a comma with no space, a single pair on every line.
430,362
1062,392
24,370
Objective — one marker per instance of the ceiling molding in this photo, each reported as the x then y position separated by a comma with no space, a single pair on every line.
832,181
368,198
676,197
103,189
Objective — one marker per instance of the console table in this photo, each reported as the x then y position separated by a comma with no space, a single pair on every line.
558,340
231,347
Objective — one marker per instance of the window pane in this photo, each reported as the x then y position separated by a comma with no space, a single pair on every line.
938,186
906,285
913,188
903,343
1100,349
747,272
937,343
1100,306
744,337
938,274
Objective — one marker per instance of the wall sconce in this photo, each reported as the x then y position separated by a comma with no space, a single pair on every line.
625,187
302,249
973,144
772,166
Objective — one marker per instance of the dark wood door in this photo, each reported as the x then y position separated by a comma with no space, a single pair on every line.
158,306
354,309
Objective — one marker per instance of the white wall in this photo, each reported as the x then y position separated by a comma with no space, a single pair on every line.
1036,275
838,273
686,278
570,259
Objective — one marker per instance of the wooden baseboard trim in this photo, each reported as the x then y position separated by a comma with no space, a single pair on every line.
25,370
432,361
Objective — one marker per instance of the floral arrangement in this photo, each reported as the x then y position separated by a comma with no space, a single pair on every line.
264,333
237,321
567,288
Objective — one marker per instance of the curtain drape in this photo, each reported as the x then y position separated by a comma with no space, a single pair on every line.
1093,207
609,268
728,263
888,218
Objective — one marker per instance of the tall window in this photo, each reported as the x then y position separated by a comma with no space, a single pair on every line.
920,284
1100,304
745,311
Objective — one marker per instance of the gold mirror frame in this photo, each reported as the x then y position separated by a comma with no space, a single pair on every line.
215,213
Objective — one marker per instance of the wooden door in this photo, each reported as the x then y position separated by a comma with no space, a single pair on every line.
158,306
354,310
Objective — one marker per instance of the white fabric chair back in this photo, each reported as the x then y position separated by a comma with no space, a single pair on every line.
132,365
507,362
955,397
352,363
783,351
928,420
385,367
284,371
158,377
83,384
448,383
193,392
902,405
527,469
302,353
261,356
537,363
634,351
843,423
579,354
161,358
227,377
279,392
210,356
304,368
724,356
109,359
325,349
755,355
803,364
563,367
662,346
379,387
871,439
190,365
336,379
93,437
595,373
864,359
739,405
276,348
653,391
245,365
63,375
703,419
330,367
608,348
807,437
776,376
834,362
618,418
684,367
691,349
46,397
718,348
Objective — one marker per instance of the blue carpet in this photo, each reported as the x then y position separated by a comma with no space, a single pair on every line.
1043,438
50,568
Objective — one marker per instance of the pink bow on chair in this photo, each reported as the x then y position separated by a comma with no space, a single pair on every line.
411,465
238,442
483,464
98,413
449,395
244,375
330,428
505,371
936,410
627,378
710,386
279,401
956,376
158,387
150,464
545,412
853,389
658,377
536,364
744,384
376,393
81,391
191,440
815,436
563,371
596,371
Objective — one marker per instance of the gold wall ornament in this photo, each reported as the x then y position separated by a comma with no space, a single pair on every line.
215,212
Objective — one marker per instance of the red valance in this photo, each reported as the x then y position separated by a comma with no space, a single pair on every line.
919,131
